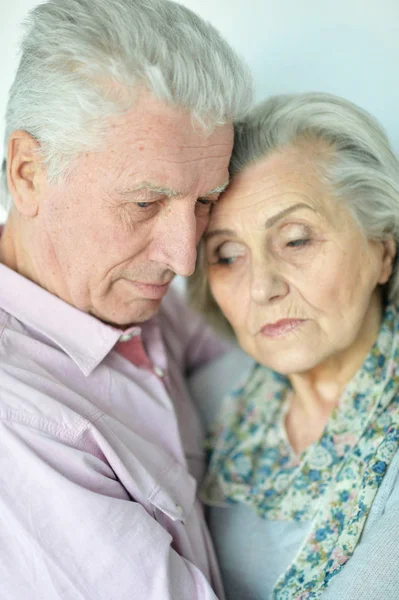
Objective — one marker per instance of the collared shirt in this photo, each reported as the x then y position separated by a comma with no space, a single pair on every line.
100,453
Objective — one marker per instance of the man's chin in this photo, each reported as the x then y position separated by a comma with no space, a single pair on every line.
138,312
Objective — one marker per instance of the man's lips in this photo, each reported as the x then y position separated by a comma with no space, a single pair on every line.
151,291
280,328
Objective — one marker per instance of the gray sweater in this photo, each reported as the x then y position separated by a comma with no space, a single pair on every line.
254,552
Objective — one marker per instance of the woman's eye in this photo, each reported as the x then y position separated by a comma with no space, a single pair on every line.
226,254
298,243
221,260
143,204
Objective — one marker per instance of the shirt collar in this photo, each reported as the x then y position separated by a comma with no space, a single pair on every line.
86,339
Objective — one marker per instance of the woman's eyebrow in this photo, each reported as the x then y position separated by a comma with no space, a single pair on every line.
210,234
272,220
269,223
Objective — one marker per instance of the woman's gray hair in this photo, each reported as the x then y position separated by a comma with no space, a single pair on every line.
83,59
361,169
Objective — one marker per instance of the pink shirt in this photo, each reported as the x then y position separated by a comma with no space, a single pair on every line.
100,450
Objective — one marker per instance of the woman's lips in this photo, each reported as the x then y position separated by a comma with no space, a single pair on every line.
280,328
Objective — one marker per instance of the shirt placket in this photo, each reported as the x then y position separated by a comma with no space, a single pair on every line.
131,346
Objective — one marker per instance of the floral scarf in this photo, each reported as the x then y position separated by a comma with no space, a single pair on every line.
333,482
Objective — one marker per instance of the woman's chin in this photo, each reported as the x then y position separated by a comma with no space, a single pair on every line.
288,363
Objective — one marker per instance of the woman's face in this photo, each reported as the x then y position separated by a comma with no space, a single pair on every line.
290,268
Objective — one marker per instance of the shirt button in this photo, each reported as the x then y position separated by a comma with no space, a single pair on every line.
134,332
126,337
179,509
159,372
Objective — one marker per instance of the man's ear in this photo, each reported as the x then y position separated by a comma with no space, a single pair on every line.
24,172
388,259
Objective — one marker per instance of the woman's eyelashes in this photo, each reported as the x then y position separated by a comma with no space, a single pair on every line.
294,236
299,243
228,260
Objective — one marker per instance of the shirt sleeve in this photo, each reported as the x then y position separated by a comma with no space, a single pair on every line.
70,530
372,572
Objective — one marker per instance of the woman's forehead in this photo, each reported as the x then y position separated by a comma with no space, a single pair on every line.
272,185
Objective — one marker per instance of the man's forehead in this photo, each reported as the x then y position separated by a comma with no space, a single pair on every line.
151,116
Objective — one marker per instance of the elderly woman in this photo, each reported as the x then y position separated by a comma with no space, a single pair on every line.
299,261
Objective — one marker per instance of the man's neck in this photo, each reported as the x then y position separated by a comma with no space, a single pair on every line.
7,248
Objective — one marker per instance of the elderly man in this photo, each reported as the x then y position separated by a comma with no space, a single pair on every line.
119,134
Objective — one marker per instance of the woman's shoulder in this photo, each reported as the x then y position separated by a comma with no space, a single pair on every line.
387,497
216,380
372,570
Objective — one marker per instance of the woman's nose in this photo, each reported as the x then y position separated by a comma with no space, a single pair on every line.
267,284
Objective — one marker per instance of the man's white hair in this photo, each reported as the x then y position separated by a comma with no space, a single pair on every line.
83,60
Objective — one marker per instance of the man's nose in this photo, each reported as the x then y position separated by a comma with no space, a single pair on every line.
267,284
174,241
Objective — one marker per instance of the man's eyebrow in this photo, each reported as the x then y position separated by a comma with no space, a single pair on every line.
150,187
153,187
272,220
219,189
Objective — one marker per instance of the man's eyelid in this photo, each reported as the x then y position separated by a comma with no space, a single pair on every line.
146,198
142,196
211,200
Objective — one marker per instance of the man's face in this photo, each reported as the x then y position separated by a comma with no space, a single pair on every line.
111,238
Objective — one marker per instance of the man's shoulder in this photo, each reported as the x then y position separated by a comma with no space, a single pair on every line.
387,496
28,406
4,318
31,392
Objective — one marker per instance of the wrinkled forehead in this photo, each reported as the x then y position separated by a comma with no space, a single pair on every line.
154,124
273,184
156,143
